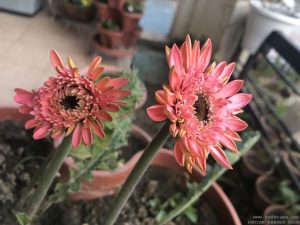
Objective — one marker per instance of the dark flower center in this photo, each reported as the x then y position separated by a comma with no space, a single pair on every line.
202,108
69,102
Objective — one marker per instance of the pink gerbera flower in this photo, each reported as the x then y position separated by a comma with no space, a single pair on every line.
201,105
71,102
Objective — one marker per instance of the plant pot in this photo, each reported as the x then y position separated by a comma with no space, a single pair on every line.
107,182
262,21
261,197
113,52
116,4
250,168
103,11
214,196
78,13
110,39
286,157
131,21
275,210
131,38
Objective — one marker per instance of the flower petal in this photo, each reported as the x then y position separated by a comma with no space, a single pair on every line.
230,89
97,129
118,82
219,155
179,156
236,124
77,136
228,143
239,101
55,59
205,55
87,135
41,132
156,113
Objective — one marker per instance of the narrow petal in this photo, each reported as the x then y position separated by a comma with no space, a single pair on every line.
57,134
239,101
87,135
97,128
104,116
95,74
173,130
94,65
174,79
116,94
228,143
31,124
77,136
230,89
236,124
156,113
24,109
175,59
225,75
178,154
102,84
219,155
41,132
218,69
111,107
55,59
205,55
118,82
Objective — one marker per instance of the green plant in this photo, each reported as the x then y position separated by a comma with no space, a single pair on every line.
285,193
83,3
134,7
110,25
160,209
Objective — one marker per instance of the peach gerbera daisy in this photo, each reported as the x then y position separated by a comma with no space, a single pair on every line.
70,102
201,105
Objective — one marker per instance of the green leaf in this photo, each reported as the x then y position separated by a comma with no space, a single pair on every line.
22,218
160,215
81,153
191,214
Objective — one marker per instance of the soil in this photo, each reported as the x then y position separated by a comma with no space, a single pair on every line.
157,183
20,157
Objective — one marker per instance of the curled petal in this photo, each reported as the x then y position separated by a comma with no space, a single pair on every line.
156,113
228,143
173,130
57,134
219,155
55,59
31,124
174,79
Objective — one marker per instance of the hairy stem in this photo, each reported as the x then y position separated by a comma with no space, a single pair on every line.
36,194
137,173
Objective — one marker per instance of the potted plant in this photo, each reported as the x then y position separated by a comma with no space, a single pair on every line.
79,10
290,163
256,163
110,33
131,38
116,4
103,10
271,190
132,13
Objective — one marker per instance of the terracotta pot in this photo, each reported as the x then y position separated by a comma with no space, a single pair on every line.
78,13
102,11
116,4
131,21
286,157
274,210
111,39
250,168
131,38
261,198
107,182
214,196
113,52
13,114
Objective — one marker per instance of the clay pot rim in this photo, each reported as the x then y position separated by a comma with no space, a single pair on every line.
101,4
254,169
132,15
288,163
258,186
270,208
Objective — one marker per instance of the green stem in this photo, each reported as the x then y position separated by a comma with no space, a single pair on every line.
205,184
44,179
137,173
